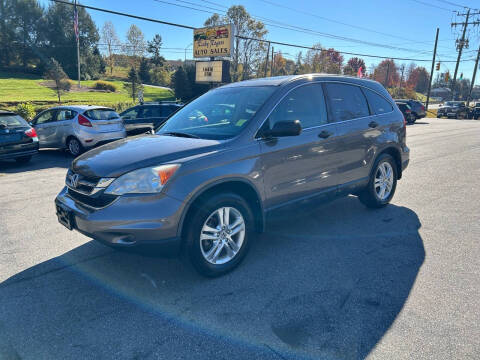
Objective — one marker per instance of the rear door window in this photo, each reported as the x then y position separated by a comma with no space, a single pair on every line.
131,114
151,111
305,103
346,101
101,114
65,115
378,104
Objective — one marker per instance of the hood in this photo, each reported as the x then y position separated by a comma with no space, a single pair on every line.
119,157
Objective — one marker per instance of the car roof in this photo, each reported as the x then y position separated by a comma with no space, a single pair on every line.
282,80
79,107
6,112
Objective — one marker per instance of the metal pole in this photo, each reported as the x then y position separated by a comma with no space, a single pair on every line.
271,64
462,41
78,48
266,60
473,77
431,71
386,75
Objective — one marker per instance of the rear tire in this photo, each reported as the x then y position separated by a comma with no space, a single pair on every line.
380,178
74,146
205,234
23,159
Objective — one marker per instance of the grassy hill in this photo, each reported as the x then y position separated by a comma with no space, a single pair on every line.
16,88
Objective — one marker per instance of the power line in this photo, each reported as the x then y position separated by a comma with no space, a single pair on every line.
241,37
278,24
431,5
451,3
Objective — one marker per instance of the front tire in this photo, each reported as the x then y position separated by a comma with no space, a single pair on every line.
74,147
218,236
382,184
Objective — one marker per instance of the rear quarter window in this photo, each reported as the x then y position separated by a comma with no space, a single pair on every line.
101,114
378,104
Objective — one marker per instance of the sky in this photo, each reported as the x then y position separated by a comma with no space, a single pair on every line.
406,25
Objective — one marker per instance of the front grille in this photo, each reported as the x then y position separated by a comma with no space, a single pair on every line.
96,202
84,190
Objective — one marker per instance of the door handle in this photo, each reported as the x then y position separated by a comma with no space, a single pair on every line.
324,134
373,124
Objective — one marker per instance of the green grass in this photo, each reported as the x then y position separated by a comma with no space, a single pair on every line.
18,88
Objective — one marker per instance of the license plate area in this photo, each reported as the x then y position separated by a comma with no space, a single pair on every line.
65,217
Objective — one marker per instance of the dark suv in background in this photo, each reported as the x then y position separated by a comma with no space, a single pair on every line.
417,108
148,116
453,109
207,179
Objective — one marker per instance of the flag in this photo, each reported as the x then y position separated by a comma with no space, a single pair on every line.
359,73
75,22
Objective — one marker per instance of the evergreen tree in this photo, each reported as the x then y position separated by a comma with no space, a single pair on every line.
181,84
134,84
143,71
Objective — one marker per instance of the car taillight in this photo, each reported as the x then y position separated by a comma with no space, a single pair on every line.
31,133
82,120
408,111
423,108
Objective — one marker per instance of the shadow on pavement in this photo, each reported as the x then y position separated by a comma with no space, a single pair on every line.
322,282
45,159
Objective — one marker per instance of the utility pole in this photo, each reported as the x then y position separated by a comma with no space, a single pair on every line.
386,75
401,77
271,64
266,60
431,72
462,43
473,77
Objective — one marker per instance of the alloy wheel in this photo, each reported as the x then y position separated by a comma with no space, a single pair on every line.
383,181
222,235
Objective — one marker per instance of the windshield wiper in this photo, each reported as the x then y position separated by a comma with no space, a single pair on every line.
180,134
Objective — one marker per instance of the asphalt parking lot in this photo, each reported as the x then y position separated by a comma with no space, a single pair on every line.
335,281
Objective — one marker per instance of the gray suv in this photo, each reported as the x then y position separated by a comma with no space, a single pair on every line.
206,180
77,128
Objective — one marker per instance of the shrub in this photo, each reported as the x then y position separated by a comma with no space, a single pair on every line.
105,85
26,111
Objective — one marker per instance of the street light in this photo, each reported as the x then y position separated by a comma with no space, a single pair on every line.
186,51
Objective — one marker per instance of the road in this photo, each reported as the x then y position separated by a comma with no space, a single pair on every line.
335,281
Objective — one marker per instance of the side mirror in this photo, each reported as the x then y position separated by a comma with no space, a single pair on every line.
285,128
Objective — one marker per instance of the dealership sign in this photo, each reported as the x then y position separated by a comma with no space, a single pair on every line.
212,71
213,41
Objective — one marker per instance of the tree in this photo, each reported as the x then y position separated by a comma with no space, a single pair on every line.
143,71
418,79
153,48
56,73
58,39
135,46
134,84
323,60
353,64
247,54
7,33
181,85
386,73
109,37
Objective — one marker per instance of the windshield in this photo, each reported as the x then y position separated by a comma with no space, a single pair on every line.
101,114
11,121
219,114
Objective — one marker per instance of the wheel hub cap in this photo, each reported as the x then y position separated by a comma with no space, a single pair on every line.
383,181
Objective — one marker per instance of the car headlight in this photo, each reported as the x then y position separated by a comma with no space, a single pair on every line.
143,181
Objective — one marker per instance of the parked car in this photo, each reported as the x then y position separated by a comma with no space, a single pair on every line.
77,128
147,117
18,140
207,186
476,111
453,109
417,108
406,111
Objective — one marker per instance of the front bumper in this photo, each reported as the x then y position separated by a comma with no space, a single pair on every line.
129,221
